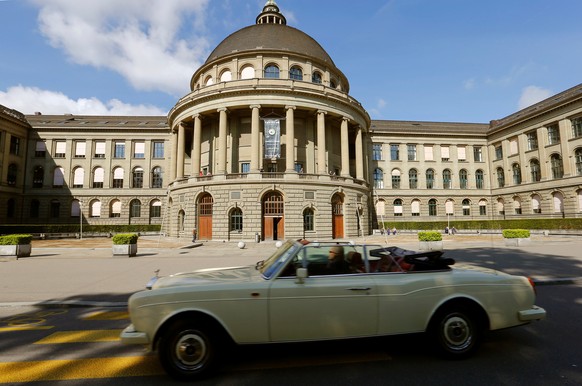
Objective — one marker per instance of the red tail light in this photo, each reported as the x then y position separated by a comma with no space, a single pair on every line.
533,284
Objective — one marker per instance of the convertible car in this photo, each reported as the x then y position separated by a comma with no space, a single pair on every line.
309,291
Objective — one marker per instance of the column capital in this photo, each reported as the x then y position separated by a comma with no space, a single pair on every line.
322,112
290,107
222,109
346,119
199,116
252,107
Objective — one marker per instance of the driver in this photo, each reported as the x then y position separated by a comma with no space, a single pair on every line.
336,263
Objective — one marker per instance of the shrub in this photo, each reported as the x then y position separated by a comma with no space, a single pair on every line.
430,236
15,239
516,233
125,238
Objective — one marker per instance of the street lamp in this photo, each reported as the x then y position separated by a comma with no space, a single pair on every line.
80,220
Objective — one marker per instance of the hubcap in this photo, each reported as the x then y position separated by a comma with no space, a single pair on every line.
191,350
457,333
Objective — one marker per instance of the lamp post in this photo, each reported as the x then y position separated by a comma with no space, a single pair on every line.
80,220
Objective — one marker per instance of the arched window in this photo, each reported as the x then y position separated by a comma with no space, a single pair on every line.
157,178
482,207
272,72
517,205
12,174
10,208
59,178
516,174
316,78
558,199
432,207
430,179
413,179
209,81
449,207
78,177
447,179
500,206
95,208
115,208
415,208
500,178
135,208
38,177
137,177
55,208
395,179
75,208
236,220
118,175
466,207
557,166
35,209
155,209
398,207
378,178
226,76
578,160
247,72
98,177
380,207
534,167
308,220
296,73
479,179
463,179
536,203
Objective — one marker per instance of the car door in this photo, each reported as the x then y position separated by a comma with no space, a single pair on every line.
322,307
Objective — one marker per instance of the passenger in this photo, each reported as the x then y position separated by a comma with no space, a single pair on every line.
336,263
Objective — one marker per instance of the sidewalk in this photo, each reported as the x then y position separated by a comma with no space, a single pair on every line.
84,272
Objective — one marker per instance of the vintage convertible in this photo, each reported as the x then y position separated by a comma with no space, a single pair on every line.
310,291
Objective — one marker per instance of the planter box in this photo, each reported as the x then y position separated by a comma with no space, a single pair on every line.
431,245
517,242
21,250
125,250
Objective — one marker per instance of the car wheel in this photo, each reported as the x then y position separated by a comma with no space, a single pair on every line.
188,351
456,332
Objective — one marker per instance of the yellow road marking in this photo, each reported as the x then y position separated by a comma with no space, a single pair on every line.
86,336
58,370
25,328
107,315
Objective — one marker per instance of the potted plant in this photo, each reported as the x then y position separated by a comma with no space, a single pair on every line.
125,244
516,237
15,245
430,241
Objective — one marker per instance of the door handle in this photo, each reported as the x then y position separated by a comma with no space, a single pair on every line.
359,289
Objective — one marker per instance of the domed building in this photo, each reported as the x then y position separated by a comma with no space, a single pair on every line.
269,143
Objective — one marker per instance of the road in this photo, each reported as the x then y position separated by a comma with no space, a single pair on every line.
74,346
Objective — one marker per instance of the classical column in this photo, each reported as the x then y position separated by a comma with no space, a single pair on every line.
196,145
321,164
359,155
174,163
222,137
255,138
181,151
565,129
290,139
345,148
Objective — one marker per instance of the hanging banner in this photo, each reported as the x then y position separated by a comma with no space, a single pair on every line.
272,138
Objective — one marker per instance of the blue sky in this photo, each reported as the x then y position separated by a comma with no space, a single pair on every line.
426,60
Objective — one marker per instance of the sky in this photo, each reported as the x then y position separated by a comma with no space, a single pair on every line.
420,60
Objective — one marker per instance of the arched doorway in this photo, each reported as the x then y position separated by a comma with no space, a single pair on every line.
205,204
273,216
337,208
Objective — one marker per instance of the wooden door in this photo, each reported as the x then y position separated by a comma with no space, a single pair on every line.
337,206
205,206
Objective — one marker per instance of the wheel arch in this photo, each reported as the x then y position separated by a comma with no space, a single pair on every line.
464,303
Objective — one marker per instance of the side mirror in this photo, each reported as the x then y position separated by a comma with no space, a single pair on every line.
301,275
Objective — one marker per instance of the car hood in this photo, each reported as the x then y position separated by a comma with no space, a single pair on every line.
206,276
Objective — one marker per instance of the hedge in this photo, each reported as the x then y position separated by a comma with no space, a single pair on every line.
75,228
430,236
15,239
516,233
125,238
533,223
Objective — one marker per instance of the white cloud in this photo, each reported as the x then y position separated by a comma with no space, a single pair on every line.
532,95
469,84
29,100
140,39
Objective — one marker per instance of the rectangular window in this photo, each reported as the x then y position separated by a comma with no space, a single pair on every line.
99,149
158,149
462,153
139,150
482,210
532,140
156,210
445,153
428,155
498,152
478,154
298,167
377,152
80,147
553,135
119,149
14,145
411,149
245,167
513,146
40,149
577,127
60,149
394,152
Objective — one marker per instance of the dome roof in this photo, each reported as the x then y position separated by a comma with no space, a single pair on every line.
278,37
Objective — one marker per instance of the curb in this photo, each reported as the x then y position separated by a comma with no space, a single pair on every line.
66,303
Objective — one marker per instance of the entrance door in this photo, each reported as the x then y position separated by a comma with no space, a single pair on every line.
205,205
337,206
273,218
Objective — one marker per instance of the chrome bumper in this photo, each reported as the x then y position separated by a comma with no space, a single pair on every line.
535,313
130,336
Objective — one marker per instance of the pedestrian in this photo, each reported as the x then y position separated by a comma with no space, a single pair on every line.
454,231
446,230
394,231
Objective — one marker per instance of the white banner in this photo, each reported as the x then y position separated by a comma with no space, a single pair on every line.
272,138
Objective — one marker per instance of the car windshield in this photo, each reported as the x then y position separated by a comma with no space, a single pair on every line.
270,266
